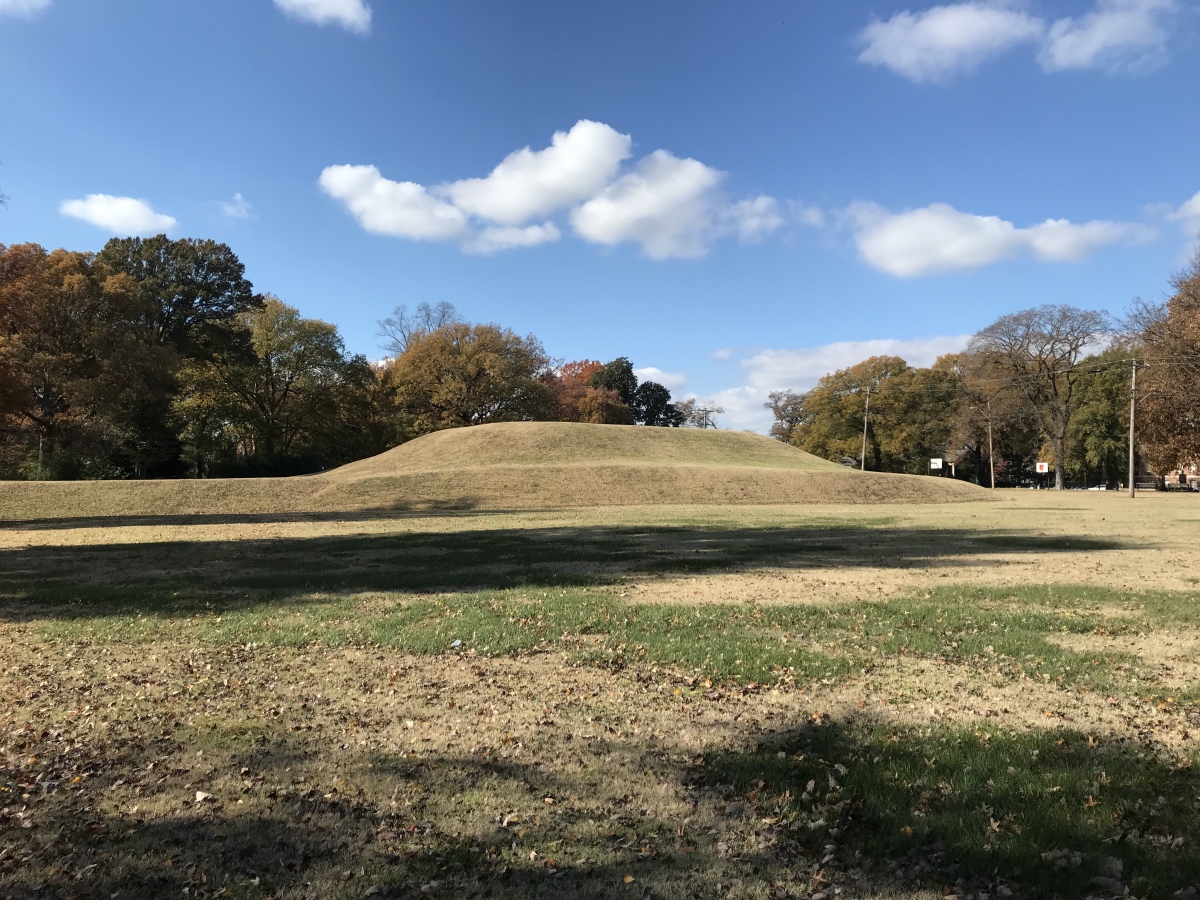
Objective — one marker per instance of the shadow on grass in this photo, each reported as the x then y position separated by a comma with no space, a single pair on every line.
1043,813
856,807
448,509
176,576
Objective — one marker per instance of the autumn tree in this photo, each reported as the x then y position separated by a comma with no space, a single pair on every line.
76,363
832,424
991,428
577,399
1169,382
280,408
918,415
1038,351
460,375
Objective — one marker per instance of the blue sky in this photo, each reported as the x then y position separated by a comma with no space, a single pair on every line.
740,196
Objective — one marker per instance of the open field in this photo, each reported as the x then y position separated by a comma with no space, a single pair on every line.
994,699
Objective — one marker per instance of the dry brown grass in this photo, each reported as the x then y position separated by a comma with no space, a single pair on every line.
347,771
525,465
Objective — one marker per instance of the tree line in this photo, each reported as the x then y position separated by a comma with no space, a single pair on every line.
1051,384
156,358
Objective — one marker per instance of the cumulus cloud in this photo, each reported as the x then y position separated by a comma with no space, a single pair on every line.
397,208
944,41
939,239
799,369
1118,35
672,207
673,381
120,215
22,8
755,219
353,15
506,237
528,183
237,208
1188,215
666,204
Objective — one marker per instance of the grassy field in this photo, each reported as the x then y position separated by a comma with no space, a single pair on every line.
994,699
759,702
515,465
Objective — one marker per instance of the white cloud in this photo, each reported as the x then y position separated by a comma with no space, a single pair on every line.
938,43
743,409
812,216
120,215
1118,35
1188,215
528,183
353,15
666,204
673,207
237,208
800,369
755,219
939,239
673,381
395,208
506,237
22,8
722,354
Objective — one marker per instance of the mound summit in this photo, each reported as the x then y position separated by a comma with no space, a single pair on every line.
514,465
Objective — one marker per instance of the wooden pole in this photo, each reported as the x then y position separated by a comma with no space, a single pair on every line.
991,457
866,412
1132,411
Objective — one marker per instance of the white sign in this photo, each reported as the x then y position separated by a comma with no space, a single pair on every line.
935,464
1043,468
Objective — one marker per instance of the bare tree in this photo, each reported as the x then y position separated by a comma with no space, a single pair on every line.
1037,351
402,326
693,414
788,409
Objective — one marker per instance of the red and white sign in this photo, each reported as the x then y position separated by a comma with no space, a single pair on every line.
1043,468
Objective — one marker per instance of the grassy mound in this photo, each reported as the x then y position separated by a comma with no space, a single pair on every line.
568,444
518,465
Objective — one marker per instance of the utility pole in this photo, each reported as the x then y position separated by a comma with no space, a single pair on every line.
866,412
1132,411
991,456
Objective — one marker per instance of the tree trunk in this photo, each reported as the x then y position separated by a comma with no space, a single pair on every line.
1060,464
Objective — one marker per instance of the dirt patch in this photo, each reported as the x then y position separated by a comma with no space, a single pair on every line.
1171,655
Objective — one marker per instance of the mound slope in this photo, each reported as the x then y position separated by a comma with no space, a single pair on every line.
518,465
570,444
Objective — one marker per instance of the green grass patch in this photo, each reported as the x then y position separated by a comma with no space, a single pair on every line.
1047,812
1003,632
